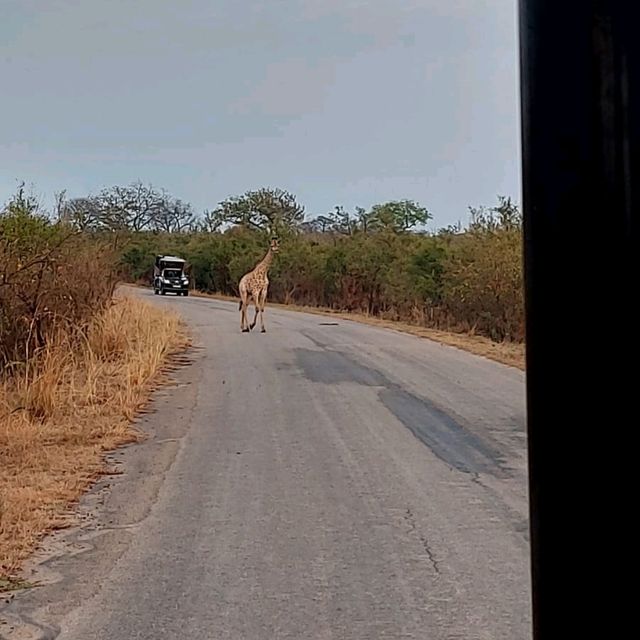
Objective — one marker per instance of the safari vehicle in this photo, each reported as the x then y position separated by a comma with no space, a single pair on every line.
169,276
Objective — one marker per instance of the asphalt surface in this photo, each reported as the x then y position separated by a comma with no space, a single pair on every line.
326,479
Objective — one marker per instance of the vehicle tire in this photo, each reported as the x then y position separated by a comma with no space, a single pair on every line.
162,291
186,293
155,291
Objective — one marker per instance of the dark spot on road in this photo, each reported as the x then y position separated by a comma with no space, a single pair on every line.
450,441
331,367
454,444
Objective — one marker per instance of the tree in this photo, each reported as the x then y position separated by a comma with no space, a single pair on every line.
366,220
504,216
508,214
173,216
60,199
398,215
83,213
274,211
136,207
339,221
320,224
344,222
22,203
132,207
209,222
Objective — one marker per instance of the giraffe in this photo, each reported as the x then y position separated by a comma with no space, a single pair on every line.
255,285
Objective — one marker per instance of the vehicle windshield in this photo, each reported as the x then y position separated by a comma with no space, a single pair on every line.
172,273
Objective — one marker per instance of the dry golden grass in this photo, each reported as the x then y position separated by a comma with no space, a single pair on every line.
72,402
509,353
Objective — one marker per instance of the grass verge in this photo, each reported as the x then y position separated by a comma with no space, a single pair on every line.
65,408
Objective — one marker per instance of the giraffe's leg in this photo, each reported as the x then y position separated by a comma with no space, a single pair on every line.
244,301
256,302
263,299
243,319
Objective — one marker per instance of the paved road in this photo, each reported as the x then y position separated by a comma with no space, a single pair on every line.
323,480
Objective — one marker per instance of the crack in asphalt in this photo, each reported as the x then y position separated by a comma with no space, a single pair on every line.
410,518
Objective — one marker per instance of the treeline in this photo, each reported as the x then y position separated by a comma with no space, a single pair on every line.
140,207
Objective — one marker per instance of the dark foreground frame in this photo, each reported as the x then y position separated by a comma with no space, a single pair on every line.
580,120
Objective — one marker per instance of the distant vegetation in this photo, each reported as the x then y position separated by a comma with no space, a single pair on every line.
383,261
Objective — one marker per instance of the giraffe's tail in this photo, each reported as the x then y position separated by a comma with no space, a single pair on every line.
240,307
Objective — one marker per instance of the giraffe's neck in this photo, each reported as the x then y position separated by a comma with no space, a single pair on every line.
265,263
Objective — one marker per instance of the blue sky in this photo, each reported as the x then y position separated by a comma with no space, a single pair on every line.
341,102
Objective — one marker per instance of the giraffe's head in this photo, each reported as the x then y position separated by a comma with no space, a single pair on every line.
275,245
